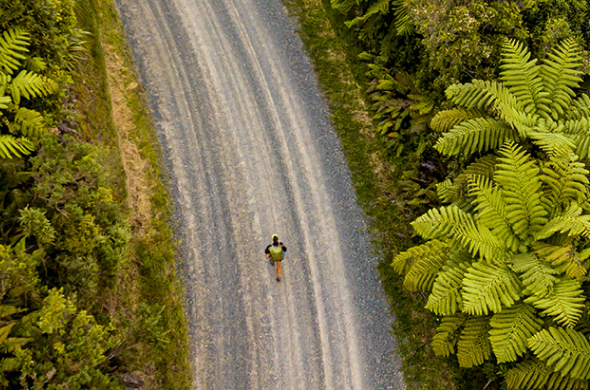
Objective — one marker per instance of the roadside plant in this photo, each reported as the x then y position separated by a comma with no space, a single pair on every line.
20,82
505,263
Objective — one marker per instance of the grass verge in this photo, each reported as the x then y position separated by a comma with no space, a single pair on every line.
115,110
333,52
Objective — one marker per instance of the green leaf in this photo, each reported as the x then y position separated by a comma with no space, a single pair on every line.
488,287
510,330
445,339
474,346
564,302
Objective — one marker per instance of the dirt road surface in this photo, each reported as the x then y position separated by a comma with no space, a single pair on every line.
244,132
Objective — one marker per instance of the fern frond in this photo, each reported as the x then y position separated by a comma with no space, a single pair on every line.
475,135
484,167
581,107
567,178
491,211
510,330
9,364
405,260
490,95
474,346
517,174
560,73
579,132
564,350
426,266
441,223
553,143
28,122
564,301
479,240
11,147
529,375
558,382
537,277
446,191
403,23
343,5
378,7
13,43
571,222
30,85
445,339
447,119
445,298
35,64
4,102
488,287
564,255
520,75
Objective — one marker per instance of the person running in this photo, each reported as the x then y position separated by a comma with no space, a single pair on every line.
275,254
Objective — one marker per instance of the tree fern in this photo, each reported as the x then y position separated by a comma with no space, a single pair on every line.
403,262
564,350
510,330
488,287
13,43
474,346
571,222
564,302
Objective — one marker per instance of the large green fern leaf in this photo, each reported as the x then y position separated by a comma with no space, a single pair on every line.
475,135
537,277
579,132
567,178
29,123
564,302
405,260
11,147
564,350
517,174
488,287
521,76
510,330
423,271
491,211
29,85
403,22
441,223
447,333
474,346
447,119
561,73
445,298
532,374
13,43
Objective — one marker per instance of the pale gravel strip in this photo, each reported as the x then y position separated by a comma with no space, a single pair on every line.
220,170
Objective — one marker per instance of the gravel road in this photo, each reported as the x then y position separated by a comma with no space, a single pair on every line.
245,136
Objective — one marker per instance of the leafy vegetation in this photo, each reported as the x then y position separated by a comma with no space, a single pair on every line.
505,262
77,302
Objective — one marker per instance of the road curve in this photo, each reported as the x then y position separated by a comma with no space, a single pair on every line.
244,132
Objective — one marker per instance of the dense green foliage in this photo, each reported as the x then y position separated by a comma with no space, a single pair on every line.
72,314
437,44
506,262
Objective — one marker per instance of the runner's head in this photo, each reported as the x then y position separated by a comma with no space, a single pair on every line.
275,238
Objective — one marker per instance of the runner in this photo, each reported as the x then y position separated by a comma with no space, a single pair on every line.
275,254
